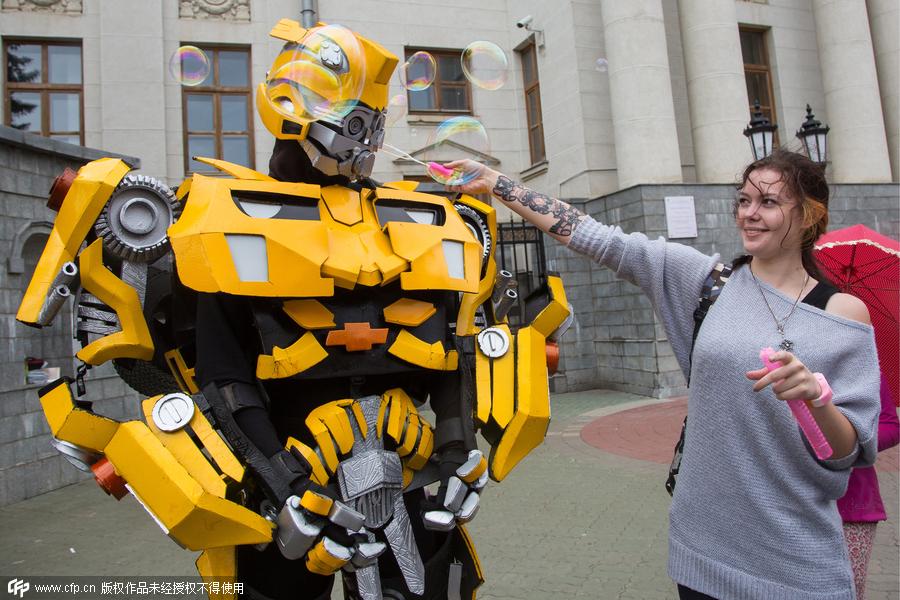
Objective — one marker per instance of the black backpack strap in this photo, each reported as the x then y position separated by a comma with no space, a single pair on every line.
712,287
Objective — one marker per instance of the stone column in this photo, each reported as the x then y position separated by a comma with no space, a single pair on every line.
640,92
857,144
884,21
717,91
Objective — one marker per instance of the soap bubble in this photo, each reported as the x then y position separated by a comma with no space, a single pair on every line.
417,73
602,65
189,66
452,139
485,65
321,77
396,109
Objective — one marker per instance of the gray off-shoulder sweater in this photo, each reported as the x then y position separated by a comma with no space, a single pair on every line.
754,513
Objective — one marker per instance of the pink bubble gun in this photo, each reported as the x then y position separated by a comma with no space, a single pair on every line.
804,417
440,169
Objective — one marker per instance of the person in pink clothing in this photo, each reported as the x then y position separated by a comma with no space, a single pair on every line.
861,507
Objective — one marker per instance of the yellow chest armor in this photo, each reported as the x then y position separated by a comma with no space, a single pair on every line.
264,238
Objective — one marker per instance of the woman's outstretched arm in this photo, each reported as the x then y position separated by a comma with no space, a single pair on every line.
553,216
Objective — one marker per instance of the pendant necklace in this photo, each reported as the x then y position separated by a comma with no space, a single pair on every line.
786,344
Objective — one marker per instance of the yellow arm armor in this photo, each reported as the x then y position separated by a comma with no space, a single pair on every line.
167,472
513,398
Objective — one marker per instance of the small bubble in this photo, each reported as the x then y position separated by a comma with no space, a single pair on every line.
417,73
602,65
485,65
189,66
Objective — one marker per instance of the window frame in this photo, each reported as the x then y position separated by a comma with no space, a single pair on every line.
217,92
439,84
527,50
765,69
44,87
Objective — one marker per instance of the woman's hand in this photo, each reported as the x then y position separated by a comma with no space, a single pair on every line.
792,380
484,181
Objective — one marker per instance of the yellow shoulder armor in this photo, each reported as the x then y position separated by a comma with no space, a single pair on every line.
512,394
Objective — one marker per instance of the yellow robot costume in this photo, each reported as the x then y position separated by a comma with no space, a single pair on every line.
287,329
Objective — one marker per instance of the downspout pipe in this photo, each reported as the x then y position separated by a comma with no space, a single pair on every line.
308,10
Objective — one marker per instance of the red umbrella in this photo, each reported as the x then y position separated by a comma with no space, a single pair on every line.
865,263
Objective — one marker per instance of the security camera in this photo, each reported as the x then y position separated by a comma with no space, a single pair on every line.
524,22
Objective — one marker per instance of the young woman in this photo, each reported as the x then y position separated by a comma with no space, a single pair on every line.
754,514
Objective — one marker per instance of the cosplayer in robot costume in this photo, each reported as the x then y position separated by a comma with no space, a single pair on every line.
288,328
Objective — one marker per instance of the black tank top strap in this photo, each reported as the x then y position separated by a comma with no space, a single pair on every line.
820,295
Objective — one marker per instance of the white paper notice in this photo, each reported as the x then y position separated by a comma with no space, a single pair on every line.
681,218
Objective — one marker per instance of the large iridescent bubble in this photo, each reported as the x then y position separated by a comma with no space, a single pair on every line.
418,72
321,77
189,66
485,65
455,138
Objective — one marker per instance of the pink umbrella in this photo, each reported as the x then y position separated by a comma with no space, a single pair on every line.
864,263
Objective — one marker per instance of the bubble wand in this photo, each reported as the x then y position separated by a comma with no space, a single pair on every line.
439,168
804,417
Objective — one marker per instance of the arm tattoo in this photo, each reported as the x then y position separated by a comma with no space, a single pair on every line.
567,218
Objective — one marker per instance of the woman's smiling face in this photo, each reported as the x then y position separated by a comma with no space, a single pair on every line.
765,215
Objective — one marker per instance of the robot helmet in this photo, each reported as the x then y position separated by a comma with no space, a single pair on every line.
328,89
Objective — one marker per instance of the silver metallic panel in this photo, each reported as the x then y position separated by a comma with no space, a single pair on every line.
135,275
96,314
343,515
368,583
454,581
81,458
456,493
378,506
473,461
173,412
507,301
368,471
469,508
54,301
439,520
336,550
97,327
295,533
493,342
399,534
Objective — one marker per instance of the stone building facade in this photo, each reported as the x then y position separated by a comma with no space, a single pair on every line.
638,100
667,106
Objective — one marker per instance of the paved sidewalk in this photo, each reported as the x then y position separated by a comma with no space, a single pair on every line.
584,516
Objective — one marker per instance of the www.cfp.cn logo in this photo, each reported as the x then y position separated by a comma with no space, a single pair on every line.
17,587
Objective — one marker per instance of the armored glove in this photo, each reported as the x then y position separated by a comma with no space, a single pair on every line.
463,475
314,524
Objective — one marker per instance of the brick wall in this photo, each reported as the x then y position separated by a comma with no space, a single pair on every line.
617,342
28,464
